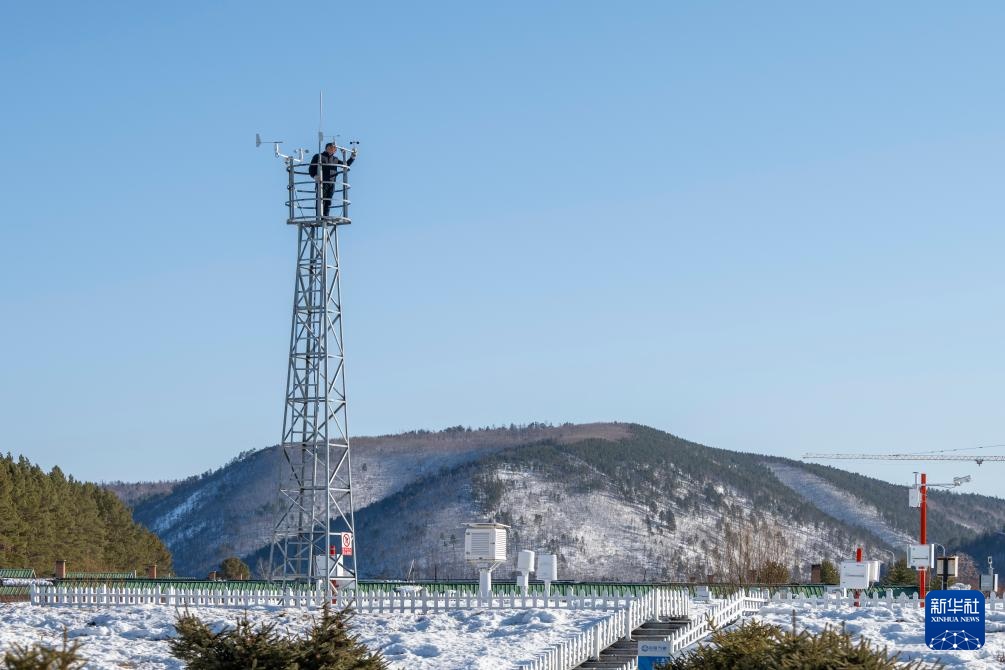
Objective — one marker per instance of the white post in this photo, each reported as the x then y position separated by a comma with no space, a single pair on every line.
628,620
485,584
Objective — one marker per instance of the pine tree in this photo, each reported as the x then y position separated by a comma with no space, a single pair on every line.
49,516
245,646
234,568
773,572
900,575
8,515
330,646
829,573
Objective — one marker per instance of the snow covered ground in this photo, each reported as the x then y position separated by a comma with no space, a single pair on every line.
136,636
899,628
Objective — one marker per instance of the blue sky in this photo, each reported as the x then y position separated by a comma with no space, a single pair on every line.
769,227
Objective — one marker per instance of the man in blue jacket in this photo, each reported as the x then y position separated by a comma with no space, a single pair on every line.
329,162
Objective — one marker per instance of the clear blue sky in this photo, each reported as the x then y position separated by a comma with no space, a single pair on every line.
769,227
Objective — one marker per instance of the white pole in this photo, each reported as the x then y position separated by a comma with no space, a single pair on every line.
485,584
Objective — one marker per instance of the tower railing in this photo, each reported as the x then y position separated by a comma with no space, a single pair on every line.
306,195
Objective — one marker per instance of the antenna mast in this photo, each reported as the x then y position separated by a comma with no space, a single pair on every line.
314,539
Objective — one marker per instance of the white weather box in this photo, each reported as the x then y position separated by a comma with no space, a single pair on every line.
946,565
329,565
854,575
547,567
921,555
914,497
485,542
341,579
874,569
525,561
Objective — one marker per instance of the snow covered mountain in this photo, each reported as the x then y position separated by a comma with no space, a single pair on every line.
615,501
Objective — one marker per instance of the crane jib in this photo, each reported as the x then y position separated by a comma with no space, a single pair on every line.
905,457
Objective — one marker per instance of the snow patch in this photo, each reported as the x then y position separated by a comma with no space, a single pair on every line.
838,503
170,518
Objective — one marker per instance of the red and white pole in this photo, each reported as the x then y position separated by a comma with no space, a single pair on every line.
923,572
858,559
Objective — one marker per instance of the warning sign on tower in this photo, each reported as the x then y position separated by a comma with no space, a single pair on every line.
347,544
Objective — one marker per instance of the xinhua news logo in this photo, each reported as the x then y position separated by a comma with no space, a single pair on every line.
954,620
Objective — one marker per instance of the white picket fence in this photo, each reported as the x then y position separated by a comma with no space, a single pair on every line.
417,602
423,602
627,612
588,644
719,614
847,599
118,595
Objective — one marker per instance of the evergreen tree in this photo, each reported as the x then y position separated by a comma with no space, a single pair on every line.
900,575
829,573
772,572
328,645
49,516
240,648
234,568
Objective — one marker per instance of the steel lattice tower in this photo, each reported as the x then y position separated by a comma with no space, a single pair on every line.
314,537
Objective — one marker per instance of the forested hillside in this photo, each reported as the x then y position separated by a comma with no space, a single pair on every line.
133,493
49,516
232,510
612,500
984,546
648,505
950,514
